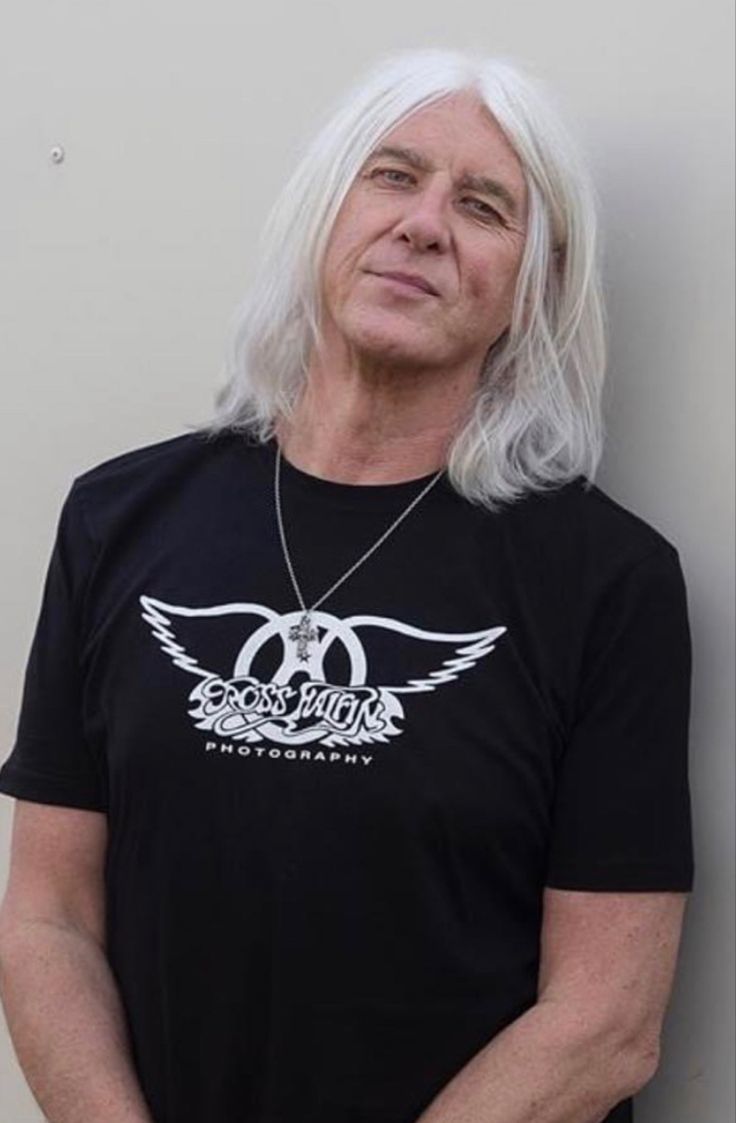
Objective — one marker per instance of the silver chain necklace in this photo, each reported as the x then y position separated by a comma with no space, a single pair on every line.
303,633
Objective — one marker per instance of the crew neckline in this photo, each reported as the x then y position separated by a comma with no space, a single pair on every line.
359,496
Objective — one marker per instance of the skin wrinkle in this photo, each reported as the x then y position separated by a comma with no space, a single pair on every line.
481,184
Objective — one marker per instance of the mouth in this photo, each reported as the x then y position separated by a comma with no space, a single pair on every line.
408,282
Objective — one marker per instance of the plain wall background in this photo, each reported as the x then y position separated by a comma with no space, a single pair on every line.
122,265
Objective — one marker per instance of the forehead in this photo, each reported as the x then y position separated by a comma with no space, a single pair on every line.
459,134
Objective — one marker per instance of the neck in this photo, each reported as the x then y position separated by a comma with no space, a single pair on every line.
374,427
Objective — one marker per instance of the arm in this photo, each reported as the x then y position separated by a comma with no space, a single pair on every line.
592,1038
60,999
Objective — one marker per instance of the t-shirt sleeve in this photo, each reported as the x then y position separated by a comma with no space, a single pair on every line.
52,760
622,811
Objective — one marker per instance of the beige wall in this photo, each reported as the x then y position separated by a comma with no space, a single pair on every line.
121,265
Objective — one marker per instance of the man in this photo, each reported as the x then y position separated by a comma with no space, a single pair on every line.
351,764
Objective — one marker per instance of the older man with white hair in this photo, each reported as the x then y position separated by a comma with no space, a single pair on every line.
351,766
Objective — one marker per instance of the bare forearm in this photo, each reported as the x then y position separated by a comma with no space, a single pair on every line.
545,1067
67,1025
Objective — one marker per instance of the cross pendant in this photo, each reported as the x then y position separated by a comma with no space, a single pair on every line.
304,634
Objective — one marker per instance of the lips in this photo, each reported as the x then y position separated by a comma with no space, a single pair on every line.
414,279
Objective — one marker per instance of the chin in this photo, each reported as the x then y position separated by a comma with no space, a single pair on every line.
392,350
390,337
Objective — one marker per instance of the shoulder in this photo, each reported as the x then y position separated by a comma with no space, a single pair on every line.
580,519
172,452
182,469
612,522
576,545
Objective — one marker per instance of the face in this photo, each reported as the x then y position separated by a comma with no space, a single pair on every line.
442,198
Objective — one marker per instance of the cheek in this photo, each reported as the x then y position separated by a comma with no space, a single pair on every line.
487,292
356,232
342,257
492,284
351,228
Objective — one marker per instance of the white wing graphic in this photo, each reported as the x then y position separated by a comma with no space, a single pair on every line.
469,648
157,613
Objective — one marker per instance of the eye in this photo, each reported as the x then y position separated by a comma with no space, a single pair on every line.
485,210
390,171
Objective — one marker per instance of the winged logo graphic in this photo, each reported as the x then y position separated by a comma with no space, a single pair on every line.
296,704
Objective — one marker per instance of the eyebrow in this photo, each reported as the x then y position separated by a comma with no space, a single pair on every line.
481,183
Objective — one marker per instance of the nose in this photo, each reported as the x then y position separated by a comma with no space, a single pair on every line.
424,222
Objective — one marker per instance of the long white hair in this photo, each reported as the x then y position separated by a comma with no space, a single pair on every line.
535,419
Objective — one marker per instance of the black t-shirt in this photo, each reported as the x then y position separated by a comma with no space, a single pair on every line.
324,876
